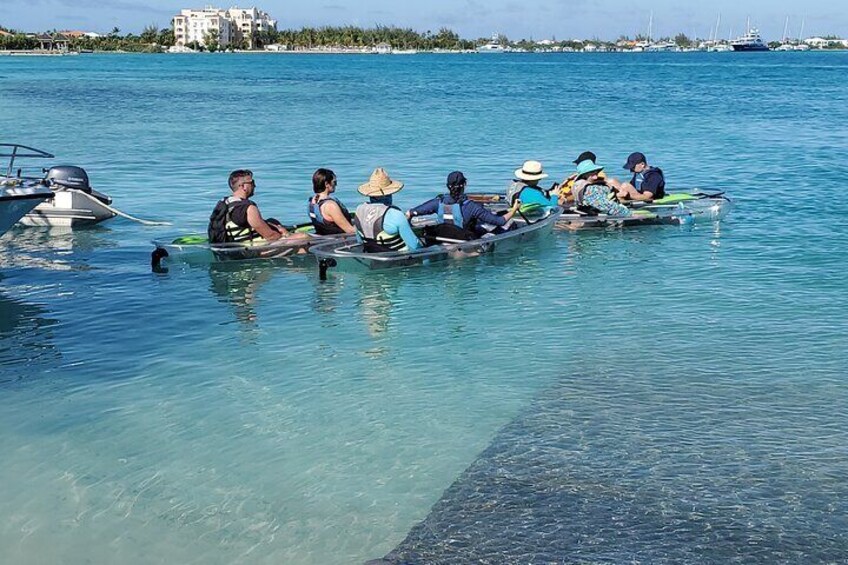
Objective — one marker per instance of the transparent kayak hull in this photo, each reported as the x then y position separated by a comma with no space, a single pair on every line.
351,256
675,209
196,249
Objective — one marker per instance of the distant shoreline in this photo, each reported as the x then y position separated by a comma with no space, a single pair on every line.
42,53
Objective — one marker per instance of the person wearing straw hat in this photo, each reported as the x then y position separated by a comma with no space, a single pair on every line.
525,186
380,226
591,193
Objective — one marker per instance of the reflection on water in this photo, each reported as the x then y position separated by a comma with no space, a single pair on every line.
58,249
377,295
25,338
238,285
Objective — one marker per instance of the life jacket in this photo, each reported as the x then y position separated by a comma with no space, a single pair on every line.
568,184
639,178
368,221
222,228
514,190
578,191
450,213
321,225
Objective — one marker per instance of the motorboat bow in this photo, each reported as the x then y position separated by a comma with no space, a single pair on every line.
18,198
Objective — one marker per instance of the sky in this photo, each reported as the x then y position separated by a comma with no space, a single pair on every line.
536,19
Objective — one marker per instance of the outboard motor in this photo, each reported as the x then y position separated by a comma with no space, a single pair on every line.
68,176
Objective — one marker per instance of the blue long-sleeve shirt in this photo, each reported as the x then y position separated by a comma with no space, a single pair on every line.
395,222
530,195
472,212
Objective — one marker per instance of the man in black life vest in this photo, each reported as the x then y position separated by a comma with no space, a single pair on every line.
237,219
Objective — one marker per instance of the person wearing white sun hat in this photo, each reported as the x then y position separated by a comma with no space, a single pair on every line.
525,186
380,226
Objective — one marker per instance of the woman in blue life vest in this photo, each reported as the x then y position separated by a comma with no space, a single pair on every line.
525,186
327,214
380,226
460,218
648,183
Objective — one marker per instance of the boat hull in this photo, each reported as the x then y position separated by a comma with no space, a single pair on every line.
16,202
68,208
676,209
349,256
750,48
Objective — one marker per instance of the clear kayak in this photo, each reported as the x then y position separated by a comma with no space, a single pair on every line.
574,219
675,209
195,247
351,256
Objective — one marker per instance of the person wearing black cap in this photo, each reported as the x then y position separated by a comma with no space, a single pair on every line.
648,183
459,217
566,196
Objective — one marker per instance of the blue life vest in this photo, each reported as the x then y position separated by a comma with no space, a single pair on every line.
454,210
321,225
639,179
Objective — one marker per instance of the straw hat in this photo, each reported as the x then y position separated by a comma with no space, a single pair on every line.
531,170
380,184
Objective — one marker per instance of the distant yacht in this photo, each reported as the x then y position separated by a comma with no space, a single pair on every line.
662,46
751,41
493,46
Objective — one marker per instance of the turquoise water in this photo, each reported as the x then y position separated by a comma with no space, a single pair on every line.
222,414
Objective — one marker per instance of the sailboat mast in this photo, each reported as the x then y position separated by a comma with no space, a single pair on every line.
718,25
801,34
785,29
651,28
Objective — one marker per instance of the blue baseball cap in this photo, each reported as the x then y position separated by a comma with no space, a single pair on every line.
456,178
634,159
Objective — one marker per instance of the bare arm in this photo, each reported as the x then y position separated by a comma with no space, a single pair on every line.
268,232
333,213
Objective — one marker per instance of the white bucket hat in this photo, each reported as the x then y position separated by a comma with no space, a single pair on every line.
380,184
531,170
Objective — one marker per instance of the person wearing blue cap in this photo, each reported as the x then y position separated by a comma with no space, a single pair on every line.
591,192
648,183
459,217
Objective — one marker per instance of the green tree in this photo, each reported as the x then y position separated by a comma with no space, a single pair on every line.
682,40
166,38
150,33
210,40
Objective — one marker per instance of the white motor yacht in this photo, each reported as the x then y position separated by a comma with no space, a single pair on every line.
73,202
19,197
493,46
751,41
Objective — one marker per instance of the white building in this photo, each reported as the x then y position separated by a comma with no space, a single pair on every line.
235,26
248,21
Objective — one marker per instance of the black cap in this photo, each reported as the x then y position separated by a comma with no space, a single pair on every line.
634,159
586,155
456,178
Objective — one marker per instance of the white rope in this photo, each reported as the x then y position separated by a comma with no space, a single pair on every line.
124,214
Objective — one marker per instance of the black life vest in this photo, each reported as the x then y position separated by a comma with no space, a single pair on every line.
222,228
